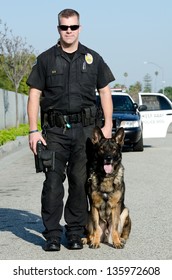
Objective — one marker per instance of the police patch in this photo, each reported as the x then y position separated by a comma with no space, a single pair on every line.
89,58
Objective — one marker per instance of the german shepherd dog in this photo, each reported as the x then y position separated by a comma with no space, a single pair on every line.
109,220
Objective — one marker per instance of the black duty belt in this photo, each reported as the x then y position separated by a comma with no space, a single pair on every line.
59,120
74,118
86,117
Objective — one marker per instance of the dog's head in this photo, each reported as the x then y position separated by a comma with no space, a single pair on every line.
107,151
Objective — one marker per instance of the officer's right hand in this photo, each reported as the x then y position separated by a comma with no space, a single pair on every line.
33,139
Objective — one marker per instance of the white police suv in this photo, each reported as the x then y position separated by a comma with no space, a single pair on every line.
157,118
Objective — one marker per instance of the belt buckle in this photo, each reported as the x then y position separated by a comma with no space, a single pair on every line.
67,121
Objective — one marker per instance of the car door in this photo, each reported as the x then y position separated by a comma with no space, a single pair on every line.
158,116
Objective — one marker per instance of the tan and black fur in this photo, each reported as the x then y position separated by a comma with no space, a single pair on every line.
109,220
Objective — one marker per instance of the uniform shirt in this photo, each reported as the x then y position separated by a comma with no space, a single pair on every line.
68,85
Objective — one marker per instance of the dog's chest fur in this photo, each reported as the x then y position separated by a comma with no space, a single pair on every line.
106,192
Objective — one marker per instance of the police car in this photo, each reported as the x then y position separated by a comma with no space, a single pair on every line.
157,118
126,114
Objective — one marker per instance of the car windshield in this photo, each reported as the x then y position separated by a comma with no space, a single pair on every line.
122,103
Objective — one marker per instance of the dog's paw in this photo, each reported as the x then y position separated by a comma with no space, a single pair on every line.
119,245
123,240
94,245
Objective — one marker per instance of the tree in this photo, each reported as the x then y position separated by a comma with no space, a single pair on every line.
24,88
5,83
134,90
125,76
147,83
16,58
167,92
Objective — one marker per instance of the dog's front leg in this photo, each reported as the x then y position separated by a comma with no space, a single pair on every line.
118,242
95,233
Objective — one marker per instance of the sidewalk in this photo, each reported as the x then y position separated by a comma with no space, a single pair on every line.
12,146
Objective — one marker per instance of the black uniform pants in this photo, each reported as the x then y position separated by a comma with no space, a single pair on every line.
72,157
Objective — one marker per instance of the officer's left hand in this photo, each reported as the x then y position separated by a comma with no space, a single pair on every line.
107,131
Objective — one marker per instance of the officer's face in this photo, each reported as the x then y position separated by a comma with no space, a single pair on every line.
69,36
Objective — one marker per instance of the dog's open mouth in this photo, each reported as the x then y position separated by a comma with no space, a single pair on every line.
108,168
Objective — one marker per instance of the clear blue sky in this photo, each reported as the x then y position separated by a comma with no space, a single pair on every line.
126,33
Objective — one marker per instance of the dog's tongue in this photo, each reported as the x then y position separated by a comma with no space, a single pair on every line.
108,168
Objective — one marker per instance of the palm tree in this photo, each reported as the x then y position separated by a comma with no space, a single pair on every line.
125,76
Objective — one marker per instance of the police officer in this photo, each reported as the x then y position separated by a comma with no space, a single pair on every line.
63,83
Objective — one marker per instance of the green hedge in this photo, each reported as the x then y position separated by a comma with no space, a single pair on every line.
11,134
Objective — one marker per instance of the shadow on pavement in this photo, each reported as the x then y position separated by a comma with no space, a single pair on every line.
23,224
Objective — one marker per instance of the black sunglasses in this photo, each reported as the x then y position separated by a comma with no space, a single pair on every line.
65,27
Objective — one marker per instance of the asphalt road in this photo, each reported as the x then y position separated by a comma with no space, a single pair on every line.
148,196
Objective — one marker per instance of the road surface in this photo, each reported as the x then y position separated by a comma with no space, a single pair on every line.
148,180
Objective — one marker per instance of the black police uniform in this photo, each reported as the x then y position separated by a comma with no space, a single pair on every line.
68,116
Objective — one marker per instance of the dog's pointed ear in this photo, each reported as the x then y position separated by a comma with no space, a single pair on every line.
119,136
97,135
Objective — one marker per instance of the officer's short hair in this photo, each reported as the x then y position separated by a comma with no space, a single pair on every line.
68,13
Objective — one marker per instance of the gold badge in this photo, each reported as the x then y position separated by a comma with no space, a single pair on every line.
89,58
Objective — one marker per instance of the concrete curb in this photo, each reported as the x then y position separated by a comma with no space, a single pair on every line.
13,146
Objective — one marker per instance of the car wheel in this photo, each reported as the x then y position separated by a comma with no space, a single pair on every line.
138,147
